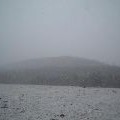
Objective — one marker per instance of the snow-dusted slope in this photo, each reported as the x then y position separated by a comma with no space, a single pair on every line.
31,102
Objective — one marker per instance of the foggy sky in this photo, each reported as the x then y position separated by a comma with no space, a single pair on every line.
43,28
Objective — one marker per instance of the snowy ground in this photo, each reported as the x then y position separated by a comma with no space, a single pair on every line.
37,102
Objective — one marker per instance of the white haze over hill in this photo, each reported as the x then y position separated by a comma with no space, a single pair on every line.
49,28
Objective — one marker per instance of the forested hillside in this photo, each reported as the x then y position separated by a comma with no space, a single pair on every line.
62,71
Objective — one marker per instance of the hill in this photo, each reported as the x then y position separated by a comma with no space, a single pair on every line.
63,61
63,70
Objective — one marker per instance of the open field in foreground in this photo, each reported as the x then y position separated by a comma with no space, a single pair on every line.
37,102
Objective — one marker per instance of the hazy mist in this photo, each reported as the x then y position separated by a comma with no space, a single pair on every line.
43,28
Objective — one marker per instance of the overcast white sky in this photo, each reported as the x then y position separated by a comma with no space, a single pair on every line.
43,28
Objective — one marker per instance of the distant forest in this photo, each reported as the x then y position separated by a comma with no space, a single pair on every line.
84,76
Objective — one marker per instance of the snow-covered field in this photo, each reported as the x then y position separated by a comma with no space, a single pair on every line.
37,102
